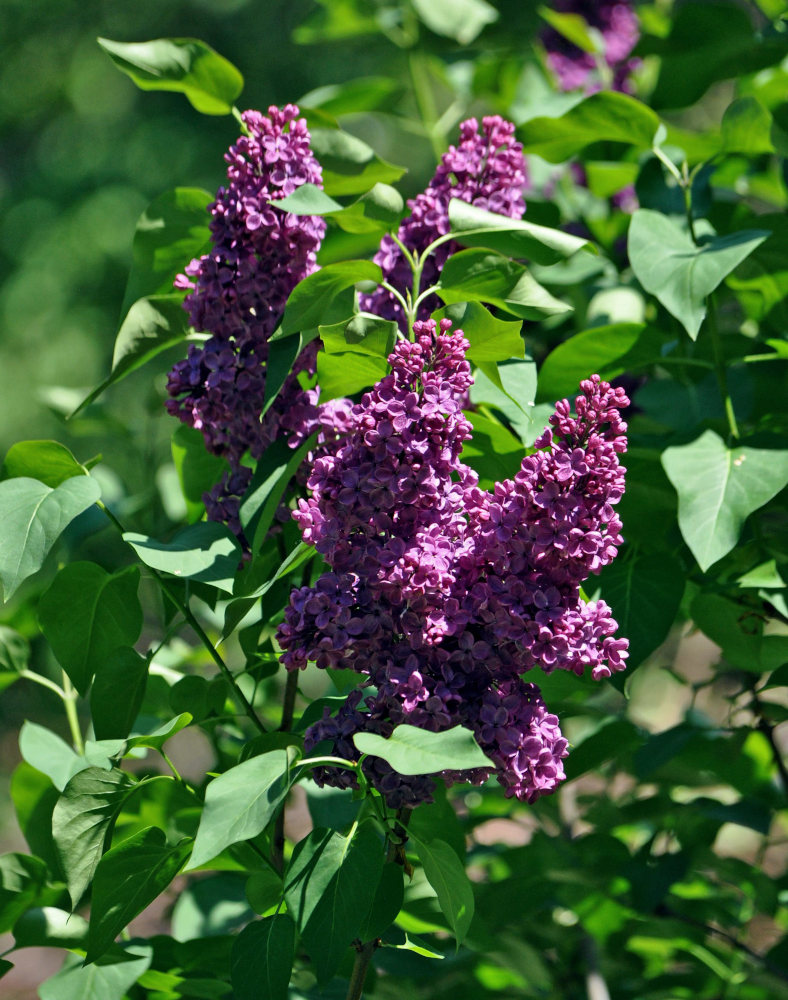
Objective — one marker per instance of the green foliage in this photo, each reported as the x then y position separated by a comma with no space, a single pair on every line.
162,744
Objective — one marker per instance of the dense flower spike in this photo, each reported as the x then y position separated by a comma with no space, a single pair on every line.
238,291
442,595
486,169
575,69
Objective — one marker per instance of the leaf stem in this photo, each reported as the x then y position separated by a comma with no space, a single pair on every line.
31,675
288,705
719,368
202,635
364,953
70,704
426,103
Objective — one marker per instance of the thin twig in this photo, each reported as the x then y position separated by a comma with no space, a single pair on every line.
288,706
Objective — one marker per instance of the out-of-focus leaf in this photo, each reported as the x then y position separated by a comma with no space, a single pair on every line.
607,115
50,462
171,231
151,325
461,20
48,927
185,65
350,166
108,980
198,470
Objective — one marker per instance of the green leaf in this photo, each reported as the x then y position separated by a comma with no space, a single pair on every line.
476,227
185,65
276,467
493,452
171,231
739,634
14,650
308,199
386,903
151,325
50,462
262,958
128,878
240,803
746,128
159,737
363,333
511,387
490,339
606,116
81,822
574,28
308,301
34,797
611,740
22,880
117,693
761,281
644,592
765,575
198,470
669,265
411,750
48,753
349,373
33,516
86,614
447,876
330,883
350,166
486,276
364,93
608,351
206,552
48,927
109,980
264,890
718,489
462,20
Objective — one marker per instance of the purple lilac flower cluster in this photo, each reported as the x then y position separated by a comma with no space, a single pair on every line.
575,69
486,169
237,294
442,595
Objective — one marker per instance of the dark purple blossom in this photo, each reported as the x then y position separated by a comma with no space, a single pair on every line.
575,69
485,169
442,595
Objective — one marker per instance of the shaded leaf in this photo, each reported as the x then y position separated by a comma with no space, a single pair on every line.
49,927
198,470
86,614
108,980
461,20
329,887
117,693
305,309
262,958
349,165
448,878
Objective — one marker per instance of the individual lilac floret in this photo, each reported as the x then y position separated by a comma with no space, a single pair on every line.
575,69
441,596
238,291
486,169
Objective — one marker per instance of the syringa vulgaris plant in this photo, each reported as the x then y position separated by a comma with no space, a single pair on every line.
409,571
